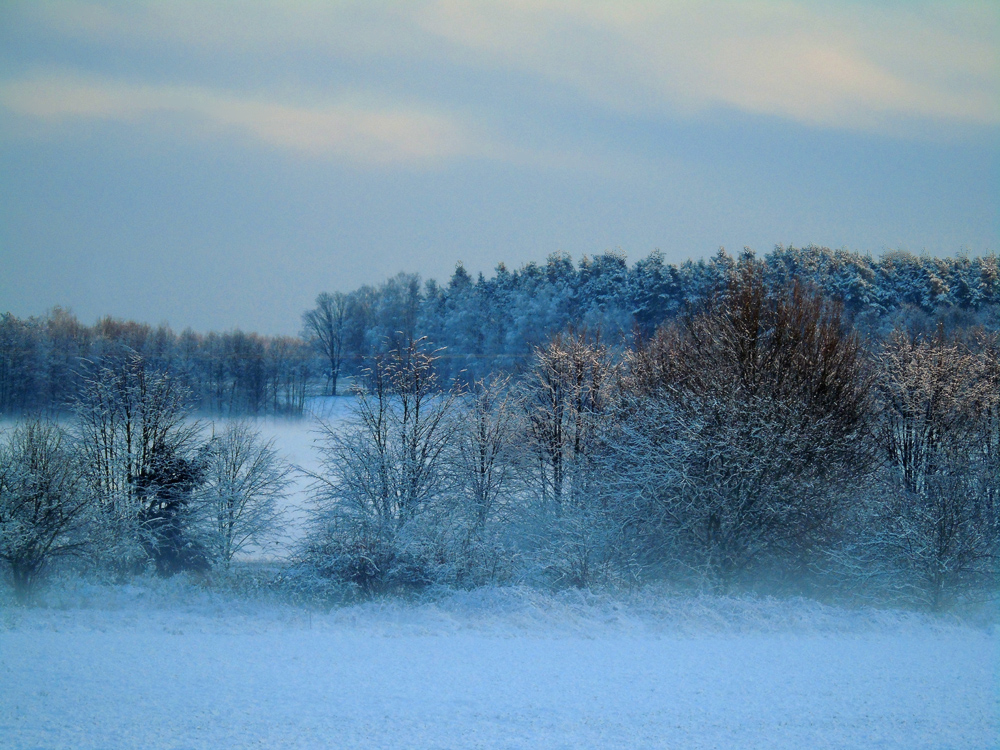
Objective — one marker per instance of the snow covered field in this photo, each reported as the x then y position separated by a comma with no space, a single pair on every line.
165,665
295,440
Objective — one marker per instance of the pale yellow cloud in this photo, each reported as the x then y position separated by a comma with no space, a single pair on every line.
852,66
346,130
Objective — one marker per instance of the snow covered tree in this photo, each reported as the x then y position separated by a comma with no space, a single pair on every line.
384,475
566,397
45,511
244,478
565,393
486,440
140,461
745,429
486,467
942,519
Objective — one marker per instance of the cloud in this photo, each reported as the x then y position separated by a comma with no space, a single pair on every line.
242,26
348,130
851,65
856,67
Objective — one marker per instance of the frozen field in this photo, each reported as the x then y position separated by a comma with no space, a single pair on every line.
295,440
166,666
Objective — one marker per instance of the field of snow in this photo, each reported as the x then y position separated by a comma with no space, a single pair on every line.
168,665
295,439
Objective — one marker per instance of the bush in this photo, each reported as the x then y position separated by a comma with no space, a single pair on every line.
45,511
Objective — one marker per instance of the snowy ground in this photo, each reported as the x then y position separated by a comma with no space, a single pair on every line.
295,440
169,666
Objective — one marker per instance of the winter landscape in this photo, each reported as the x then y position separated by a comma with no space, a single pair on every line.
375,374
191,662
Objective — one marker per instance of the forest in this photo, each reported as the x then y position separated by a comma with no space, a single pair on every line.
482,325
809,422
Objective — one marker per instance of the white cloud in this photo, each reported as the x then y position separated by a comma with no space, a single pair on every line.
854,65
347,130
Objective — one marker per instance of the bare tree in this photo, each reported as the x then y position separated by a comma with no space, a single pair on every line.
942,521
487,440
747,426
289,366
45,511
567,396
325,326
716,488
244,478
565,393
487,469
385,473
139,452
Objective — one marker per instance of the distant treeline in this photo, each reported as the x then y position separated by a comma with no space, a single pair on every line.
765,436
483,325
491,324
47,361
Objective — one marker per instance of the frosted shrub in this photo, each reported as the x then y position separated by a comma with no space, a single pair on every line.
383,478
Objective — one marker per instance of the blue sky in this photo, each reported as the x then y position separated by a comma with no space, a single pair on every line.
217,164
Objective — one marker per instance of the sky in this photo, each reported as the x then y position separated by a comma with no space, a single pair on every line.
216,165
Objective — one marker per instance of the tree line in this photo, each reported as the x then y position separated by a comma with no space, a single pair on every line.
765,436
486,324
483,325
46,362
757,441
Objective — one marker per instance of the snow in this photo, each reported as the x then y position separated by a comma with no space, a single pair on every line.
170,665
294,439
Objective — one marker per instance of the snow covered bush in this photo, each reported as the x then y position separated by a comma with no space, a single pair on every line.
378,502
742,432
45,511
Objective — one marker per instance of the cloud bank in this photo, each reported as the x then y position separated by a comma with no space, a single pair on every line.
353,131
855,66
